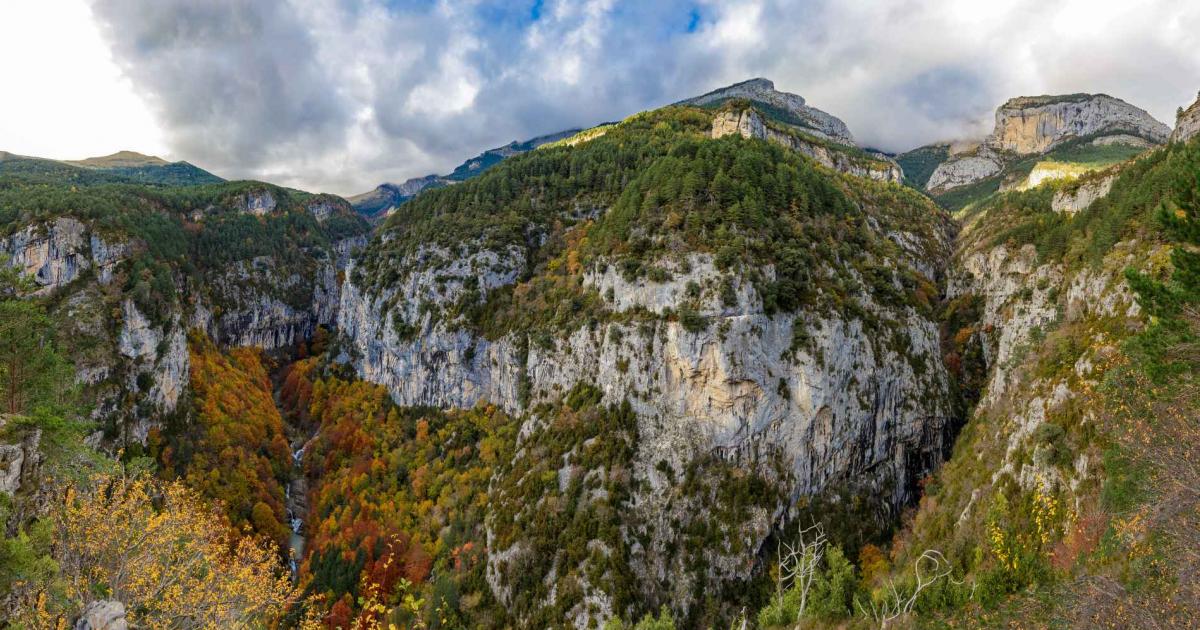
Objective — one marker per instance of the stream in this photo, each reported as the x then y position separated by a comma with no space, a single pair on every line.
296,490
296,494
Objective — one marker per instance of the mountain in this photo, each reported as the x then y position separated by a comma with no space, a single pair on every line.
641,373
387,197
1037,138
120,159
785,107
120,167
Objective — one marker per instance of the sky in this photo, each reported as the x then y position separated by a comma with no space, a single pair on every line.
341,95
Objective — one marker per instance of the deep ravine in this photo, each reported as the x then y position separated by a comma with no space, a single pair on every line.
296,490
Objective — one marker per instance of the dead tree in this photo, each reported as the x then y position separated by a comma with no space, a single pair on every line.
928,569
799,563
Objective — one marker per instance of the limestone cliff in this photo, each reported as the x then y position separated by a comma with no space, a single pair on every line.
1036,125
1187,122
750,124
810,118
132,356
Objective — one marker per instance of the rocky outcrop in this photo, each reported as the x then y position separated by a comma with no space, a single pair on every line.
105,614
1072,199
1187,122
20,457
1036,124
53,254
960,171
811,119
750,124
1031,125
257,202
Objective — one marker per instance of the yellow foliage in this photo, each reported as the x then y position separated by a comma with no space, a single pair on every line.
160,550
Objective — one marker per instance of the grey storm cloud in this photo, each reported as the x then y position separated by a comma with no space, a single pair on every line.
340,95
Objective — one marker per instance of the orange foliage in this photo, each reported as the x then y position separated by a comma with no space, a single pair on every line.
236,451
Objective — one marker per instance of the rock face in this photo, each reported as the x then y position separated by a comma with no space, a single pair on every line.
1036,124
1072,199
106,614
961,171
842,409
20,458
762,90
257,303
258,202
1187,123
53,254
749,124
1031,125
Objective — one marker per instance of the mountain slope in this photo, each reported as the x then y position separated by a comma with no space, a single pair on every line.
622,375
387,197
121,167
654,260
1035,139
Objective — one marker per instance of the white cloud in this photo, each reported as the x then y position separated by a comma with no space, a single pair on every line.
340,95
64,97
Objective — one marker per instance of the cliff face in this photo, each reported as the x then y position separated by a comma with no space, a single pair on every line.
813,401
1187,123
762,90
135,366
1035,125
1026,125
750,124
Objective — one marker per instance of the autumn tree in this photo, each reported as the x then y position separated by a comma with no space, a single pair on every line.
172,560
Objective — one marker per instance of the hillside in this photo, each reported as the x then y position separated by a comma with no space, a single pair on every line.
386,197
121,167
712,365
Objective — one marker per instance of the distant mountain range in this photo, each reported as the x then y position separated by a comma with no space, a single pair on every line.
122,167
386,197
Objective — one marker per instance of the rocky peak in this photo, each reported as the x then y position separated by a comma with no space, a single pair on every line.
1035,124
794,106
1187,122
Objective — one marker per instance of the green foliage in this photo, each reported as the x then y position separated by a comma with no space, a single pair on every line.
830,599
668,188
833,591
33,375
918,165
576,534
1172,302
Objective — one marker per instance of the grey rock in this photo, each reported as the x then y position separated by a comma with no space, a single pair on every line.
105,614
749,124
1076,197
1187,123
815,121
1028,125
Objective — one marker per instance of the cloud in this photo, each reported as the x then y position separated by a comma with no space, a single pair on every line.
340,95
